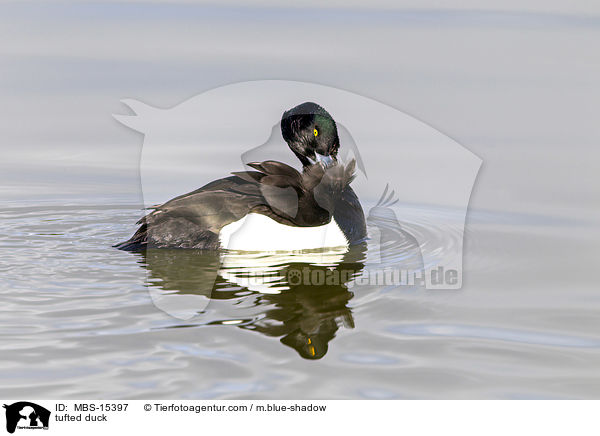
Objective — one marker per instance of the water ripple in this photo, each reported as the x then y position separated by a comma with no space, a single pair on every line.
495,334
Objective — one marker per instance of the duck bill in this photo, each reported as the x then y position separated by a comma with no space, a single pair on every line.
326,161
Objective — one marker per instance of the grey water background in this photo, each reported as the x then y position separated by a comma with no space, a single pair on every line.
514,82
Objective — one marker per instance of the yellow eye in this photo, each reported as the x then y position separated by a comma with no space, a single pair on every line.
316,132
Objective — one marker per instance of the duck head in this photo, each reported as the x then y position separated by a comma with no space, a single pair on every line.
311,133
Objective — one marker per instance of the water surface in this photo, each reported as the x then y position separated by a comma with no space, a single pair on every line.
78,319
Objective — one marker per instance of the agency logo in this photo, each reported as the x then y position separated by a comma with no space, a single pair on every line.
26,415
412,181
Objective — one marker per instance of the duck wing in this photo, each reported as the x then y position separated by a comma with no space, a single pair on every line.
274,189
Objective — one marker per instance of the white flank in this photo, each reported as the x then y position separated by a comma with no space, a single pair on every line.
256,232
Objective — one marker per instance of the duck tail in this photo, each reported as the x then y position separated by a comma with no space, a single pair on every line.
137,242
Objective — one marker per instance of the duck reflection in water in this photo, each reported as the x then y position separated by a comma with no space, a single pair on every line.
301,299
